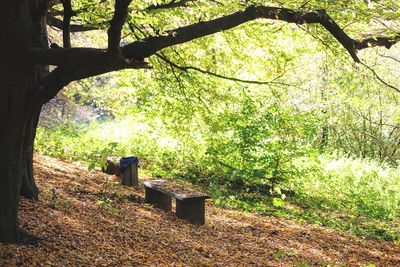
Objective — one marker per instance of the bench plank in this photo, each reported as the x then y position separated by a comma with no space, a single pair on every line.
177,191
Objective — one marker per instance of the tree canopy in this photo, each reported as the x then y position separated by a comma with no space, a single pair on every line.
150,28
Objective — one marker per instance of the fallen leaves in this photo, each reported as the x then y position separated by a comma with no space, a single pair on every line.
95,221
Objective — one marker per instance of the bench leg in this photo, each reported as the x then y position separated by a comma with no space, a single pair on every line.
193,210
165,202
151,196
159,199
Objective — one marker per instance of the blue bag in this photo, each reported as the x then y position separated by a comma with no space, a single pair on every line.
124,163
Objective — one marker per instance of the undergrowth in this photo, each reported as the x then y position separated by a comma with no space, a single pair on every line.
355,195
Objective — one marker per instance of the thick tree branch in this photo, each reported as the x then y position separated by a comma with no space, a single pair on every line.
114,32
387,42
149,46
63,56
83,63
79,62
68,13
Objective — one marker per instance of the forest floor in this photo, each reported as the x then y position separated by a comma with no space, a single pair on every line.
87,219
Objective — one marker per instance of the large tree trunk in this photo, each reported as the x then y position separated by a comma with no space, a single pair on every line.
11,143
28,185
28,188
21,25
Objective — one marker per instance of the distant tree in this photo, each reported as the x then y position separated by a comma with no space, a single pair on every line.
27,82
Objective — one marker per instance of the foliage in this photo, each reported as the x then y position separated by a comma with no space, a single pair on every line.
254,144
361,195
302,134
350,194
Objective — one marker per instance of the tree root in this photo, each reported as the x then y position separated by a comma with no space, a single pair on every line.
26,238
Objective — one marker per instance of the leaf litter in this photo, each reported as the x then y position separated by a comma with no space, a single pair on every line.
88,219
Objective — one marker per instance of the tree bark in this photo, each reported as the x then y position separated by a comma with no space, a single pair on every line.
21,25
28,185
11,147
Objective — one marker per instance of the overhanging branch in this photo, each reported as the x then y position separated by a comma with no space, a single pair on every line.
188,68
83,63
387,42
379,78
81,60
149,46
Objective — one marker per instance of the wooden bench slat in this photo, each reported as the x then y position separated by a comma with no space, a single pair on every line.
179,192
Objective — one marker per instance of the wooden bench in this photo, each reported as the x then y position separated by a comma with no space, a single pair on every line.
189,203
